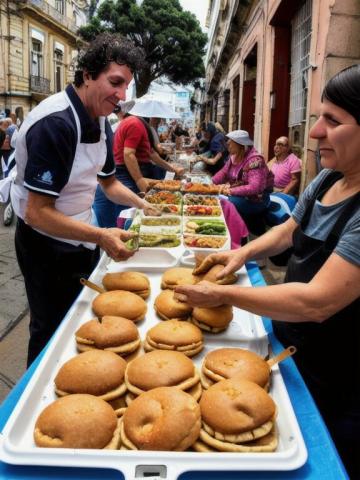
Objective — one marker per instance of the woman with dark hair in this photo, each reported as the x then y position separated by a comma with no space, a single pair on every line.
63,151
216,153
318,307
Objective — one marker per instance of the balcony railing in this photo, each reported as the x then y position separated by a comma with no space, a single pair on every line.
50,11
39,84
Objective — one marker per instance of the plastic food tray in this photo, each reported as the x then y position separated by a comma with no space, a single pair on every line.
200,199
245,331
175,195
187,210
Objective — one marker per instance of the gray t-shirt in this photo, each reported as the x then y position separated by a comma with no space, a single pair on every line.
323,218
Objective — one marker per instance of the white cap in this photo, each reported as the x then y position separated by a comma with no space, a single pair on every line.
241,137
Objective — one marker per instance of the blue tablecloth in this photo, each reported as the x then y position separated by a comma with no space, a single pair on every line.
323,461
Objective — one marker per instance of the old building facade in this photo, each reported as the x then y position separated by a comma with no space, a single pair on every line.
38,40
267,62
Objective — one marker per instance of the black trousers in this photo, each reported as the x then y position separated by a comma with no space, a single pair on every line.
52,270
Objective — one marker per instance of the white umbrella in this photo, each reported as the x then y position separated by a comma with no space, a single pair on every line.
153,109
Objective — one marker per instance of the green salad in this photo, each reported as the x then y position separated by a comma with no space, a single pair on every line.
206,227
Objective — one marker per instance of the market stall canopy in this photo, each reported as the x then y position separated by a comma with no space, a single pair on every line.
153,109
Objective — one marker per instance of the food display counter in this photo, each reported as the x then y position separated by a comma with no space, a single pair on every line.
322,460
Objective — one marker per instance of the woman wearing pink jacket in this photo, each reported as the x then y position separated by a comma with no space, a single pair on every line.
245,177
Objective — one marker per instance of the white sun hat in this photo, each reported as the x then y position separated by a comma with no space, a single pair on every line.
153,109
241,137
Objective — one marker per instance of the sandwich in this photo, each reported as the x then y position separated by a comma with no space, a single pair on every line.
236,414
225,363
113,334
214,319
95,372
161,368
169,308
135,282
175,335
77,421
210,276
119,303
174,277
163,419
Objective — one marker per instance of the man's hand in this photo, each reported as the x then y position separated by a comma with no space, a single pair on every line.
151,210
204,294
232,261
142,184
111,241
178,170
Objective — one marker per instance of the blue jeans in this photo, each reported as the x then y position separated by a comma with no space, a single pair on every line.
105,210
247,207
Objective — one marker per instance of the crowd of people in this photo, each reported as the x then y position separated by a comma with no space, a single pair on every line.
71,164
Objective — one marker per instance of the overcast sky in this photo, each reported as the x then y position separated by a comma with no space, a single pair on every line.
198,7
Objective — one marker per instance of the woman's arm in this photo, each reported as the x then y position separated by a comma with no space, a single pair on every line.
293,186
212,160
336,285
256,182
274,241
221,176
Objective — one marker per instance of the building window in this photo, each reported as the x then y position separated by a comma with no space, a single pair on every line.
58,66
37,63
60,6
235,103
300,53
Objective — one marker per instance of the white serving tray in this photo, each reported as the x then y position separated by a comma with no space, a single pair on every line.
245,331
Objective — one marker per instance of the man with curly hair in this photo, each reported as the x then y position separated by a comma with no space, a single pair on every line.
63,150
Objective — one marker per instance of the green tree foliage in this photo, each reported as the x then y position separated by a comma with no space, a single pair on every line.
172,38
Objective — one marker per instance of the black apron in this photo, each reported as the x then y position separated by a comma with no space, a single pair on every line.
328,355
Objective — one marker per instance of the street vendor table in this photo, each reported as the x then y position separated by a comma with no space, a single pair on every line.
323,460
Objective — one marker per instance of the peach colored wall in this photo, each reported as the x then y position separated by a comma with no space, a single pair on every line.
335,44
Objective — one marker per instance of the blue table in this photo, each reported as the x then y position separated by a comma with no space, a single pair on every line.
323,461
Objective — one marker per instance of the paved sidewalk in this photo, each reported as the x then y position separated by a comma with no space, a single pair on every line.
14,313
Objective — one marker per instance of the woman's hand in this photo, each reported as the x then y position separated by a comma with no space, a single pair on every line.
204,294
231,259
111,241
225,189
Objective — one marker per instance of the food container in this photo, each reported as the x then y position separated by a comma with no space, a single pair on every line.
194,199
170,185
201,188
163,197
169,221
159,240
204,226
245,331
202,210
156,226
167,209
206,242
